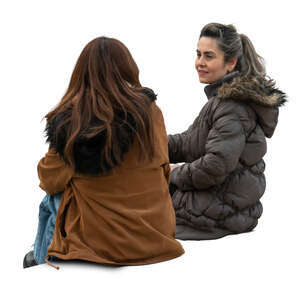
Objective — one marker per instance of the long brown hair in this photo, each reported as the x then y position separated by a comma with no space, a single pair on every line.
104,83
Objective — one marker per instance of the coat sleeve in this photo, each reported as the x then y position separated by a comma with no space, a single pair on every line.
223,148
176,146
53,173
167,172
160,141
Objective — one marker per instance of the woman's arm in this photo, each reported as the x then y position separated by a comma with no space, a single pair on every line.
224,146
176,145
53,173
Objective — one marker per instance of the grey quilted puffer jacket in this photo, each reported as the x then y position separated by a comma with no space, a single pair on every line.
217,190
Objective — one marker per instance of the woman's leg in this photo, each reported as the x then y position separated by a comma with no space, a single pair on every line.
47,220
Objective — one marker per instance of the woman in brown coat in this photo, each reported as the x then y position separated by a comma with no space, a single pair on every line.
217,190
108,157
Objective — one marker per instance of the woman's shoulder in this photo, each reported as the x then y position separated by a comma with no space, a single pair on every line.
252,90
149,93
247,96
154,107
56,138
253,100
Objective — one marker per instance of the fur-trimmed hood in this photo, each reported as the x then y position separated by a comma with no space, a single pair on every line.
264,99
88,153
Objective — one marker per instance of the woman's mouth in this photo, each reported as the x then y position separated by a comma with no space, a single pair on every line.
202,73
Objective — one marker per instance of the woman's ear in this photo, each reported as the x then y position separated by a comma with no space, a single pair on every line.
231,64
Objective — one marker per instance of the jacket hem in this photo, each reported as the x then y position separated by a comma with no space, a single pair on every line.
184,232
79,256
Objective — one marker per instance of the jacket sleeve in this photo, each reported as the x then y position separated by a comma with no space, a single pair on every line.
176,146
223,148
167,171
53,173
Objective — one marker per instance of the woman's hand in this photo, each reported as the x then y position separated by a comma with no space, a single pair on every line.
174,167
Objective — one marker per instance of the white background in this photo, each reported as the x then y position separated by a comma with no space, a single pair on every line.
40,43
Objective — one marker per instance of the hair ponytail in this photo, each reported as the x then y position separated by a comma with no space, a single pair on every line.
253,64
237,45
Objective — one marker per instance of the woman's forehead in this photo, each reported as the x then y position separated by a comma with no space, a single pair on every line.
207,44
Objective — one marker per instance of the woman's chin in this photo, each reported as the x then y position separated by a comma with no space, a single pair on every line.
204,80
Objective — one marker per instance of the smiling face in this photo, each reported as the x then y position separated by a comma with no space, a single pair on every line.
210,63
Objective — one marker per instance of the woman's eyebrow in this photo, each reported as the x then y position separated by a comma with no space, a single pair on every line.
206,52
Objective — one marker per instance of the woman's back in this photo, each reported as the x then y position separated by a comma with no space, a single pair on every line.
125,217
108,156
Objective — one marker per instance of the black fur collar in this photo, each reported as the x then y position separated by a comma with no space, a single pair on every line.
88,153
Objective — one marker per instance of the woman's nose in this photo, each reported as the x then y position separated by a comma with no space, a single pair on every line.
200,61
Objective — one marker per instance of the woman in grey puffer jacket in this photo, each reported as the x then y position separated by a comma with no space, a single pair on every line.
217,190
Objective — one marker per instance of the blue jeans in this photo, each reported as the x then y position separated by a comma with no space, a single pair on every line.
47,220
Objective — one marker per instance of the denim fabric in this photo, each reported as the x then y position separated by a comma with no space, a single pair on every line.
47,220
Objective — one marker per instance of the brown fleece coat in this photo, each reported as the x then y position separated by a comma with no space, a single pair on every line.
121,218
